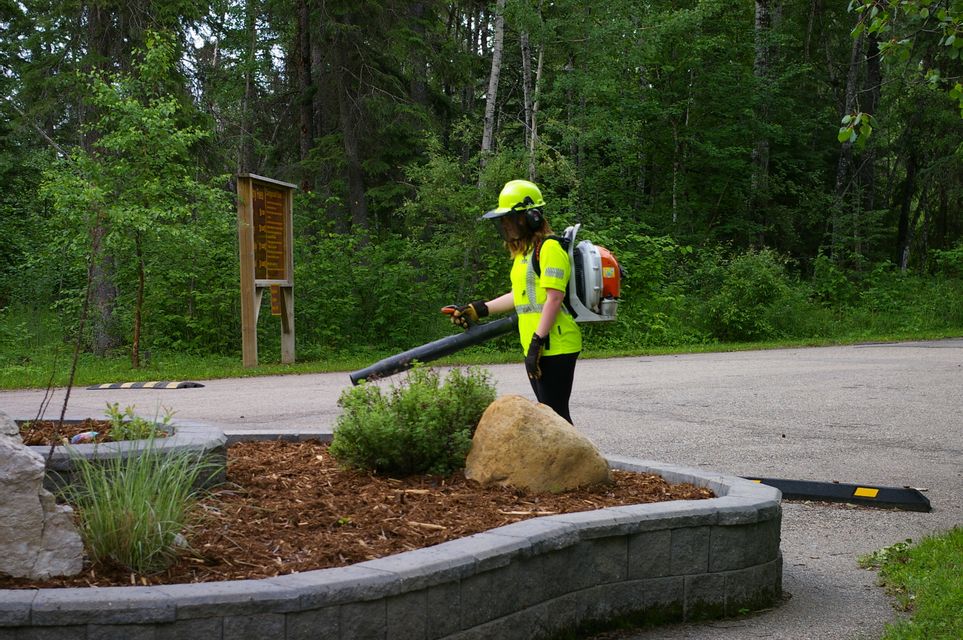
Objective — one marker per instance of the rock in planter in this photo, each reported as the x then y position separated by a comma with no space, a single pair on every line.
38,539
527,445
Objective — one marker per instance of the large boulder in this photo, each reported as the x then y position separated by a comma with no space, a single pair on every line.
527,445
38,538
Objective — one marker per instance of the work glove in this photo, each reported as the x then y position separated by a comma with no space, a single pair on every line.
534,356
466,315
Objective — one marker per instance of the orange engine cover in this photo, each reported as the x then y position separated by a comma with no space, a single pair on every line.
611,274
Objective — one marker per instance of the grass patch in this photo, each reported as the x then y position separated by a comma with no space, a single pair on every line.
925,580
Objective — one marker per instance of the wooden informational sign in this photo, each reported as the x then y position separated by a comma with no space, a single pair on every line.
270,236
265,239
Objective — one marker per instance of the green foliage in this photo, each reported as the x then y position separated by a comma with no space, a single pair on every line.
830,284
908,27
132,509
752,286
125,425
661,126
925,580
422,426
138,187
949,263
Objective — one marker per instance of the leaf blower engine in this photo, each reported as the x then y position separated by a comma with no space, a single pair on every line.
596,282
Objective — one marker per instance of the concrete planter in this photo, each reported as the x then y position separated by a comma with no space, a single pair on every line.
538,578
207,441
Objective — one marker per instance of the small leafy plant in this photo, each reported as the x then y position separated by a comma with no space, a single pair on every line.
893,553
125,425
422,426
132,509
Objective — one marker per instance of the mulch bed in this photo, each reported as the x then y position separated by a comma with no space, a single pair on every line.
47,432
289,508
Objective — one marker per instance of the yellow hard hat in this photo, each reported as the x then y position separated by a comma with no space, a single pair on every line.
516,195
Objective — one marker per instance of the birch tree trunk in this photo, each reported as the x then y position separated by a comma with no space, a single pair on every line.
492,96
533,140
527,90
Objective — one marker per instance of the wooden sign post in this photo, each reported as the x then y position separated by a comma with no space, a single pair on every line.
266,240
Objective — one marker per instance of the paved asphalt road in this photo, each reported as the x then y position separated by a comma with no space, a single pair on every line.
889,415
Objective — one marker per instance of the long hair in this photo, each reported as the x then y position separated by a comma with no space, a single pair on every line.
529,239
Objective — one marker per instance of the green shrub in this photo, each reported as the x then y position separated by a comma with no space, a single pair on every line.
883,289
132,509
420,426
830,285
949,263
753,285
124,425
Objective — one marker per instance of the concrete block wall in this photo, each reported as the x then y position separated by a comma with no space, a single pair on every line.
538,578
206,441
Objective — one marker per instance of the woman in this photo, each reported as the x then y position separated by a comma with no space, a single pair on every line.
550,338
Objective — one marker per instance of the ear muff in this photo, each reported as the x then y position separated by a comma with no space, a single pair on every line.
534,219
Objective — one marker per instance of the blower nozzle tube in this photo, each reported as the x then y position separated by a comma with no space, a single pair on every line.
434,350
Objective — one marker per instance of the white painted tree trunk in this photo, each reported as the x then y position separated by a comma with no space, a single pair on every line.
491,97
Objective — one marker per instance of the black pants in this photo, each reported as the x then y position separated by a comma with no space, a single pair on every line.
554,388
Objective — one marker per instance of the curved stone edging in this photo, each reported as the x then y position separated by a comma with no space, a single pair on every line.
537,578
187,437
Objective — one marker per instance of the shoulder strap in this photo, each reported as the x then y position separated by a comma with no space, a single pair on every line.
538,249
564,242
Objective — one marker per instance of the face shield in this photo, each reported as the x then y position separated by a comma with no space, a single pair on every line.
508,220
509,226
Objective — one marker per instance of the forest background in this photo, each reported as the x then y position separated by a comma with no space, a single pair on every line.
763,170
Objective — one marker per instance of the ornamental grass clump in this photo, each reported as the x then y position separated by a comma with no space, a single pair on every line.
132,509
421,426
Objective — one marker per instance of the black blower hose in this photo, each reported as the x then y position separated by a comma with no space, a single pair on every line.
434,350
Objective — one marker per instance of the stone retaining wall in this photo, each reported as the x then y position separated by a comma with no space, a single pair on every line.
538,578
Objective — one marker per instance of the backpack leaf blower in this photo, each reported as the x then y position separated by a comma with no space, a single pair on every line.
592,296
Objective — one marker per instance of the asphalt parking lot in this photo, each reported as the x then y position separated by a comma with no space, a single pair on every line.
877,414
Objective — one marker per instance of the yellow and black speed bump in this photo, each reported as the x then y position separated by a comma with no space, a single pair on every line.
163,384
905,498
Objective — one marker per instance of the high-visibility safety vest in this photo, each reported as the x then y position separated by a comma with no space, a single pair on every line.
529,295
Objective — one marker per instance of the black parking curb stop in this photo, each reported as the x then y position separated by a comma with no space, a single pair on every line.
904,498
163,384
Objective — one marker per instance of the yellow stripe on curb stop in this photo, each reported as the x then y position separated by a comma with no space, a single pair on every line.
156,384
865,492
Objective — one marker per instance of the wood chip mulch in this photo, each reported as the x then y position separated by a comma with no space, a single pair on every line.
289,508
